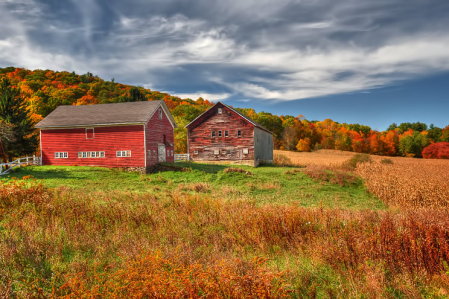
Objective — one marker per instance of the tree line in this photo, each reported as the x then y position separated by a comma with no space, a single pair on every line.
27,96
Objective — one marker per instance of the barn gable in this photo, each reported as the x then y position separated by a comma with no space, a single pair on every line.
213,110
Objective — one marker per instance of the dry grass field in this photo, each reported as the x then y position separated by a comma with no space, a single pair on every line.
397,181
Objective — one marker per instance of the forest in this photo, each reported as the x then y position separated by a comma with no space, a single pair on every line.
44,90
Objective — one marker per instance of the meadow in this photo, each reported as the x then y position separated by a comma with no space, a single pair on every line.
314,229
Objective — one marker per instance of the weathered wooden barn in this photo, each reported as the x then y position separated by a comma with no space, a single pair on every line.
133,135
224,135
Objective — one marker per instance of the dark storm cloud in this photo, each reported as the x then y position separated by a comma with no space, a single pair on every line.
260,49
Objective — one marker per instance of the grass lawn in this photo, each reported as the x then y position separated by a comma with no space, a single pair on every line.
267,184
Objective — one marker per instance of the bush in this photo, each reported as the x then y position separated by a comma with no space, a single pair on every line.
438,150
386,161
356,159
282,160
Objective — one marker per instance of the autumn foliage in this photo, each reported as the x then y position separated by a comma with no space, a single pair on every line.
438,150
46,90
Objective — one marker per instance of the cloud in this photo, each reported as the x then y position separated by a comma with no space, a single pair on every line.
267,50
210,96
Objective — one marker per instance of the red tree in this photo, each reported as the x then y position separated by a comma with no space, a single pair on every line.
438,150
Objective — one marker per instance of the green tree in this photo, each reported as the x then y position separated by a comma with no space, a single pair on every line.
413,145
13,111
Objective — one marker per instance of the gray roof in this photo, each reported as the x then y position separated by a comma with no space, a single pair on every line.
101,114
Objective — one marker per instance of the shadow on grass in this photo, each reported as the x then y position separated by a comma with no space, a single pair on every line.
57,172
207,168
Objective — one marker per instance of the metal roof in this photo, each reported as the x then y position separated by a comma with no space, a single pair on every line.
103,114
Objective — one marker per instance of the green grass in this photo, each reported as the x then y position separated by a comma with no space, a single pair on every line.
267,184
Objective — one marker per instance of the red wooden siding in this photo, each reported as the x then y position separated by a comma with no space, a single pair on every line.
200,137
107,139
155,130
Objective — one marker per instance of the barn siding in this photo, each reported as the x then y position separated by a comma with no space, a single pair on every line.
200,138
155,130
263,144
107,139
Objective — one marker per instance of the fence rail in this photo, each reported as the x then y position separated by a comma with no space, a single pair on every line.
5,168
182,157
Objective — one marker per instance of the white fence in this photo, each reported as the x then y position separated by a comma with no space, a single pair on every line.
5,168
182,157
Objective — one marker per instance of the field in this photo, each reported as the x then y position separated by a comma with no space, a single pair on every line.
311,230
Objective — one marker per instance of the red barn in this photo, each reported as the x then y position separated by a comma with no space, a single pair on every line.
135,135
224,135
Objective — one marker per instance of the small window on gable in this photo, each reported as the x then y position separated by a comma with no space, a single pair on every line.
226,134
213,134
239,133
219,133
90,133
160,113
220,110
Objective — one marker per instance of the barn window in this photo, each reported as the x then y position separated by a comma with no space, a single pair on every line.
216,152
223,152
91,155
160,113
195,152
90,133
228,152
226,134
149,153
62,155
239,133
245,151
213,134
123,153
219,133
154,153
220,110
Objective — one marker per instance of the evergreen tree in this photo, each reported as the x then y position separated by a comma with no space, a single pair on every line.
13,110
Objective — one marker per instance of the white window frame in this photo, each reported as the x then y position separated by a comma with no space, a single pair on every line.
93,133
213,134
216,152
160,113
219,134
239,133
226,133
195,152
91,154
61,155
123,154
245,151
154,153
220,110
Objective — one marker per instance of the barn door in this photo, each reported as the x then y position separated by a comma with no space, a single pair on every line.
161,153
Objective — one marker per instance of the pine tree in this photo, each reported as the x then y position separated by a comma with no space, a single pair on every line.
13,110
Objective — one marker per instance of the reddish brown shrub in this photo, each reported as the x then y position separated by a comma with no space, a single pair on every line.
438,150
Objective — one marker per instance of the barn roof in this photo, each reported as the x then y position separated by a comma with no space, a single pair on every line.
203,116
104,114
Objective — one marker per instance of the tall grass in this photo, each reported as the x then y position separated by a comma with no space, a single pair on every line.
61,243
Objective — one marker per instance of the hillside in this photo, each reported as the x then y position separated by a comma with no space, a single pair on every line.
46,90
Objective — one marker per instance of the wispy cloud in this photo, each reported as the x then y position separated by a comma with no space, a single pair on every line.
268,50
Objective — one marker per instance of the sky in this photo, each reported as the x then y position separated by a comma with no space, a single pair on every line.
354,61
